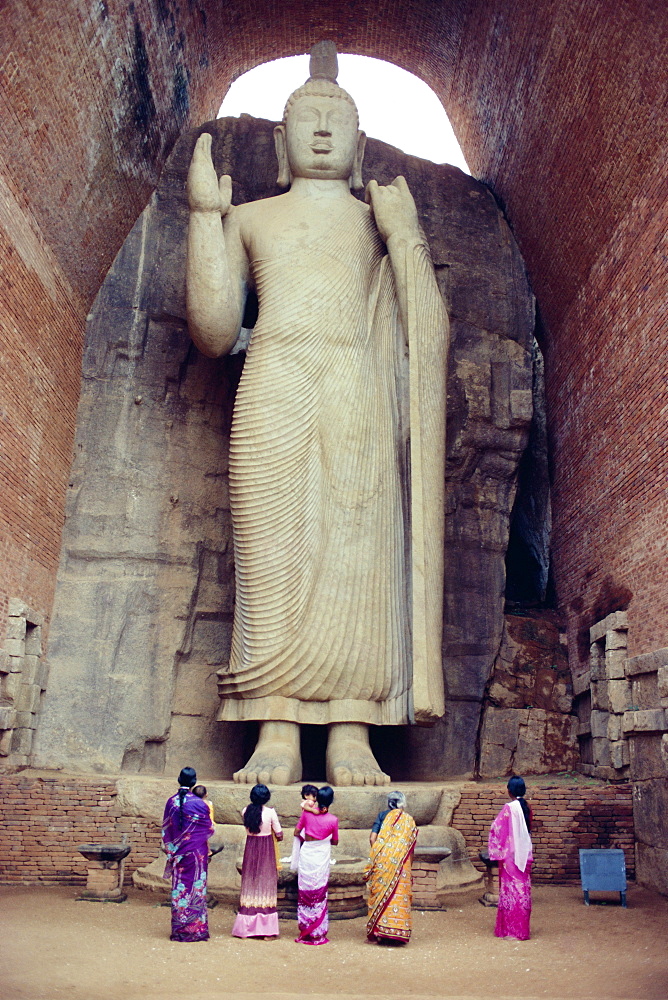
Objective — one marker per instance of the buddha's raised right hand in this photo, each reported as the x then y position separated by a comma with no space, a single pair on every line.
205,192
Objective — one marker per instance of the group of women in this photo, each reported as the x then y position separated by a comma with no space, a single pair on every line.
187,827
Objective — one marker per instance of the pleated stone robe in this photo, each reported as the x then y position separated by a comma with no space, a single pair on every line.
331,590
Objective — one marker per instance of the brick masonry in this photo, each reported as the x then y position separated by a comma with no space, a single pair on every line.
42,819
566,817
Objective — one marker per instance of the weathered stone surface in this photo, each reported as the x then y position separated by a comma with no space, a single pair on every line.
16,628
527,741
645,757
650,808
356,807
147,554
7,716
664,750
22,741
599,696
619,696
647,663
645,721
616,620
615,663
662,685
619,754
644,691
652,867
581,682
17,609
599,723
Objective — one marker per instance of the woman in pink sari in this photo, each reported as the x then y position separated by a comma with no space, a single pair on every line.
510,845
316,833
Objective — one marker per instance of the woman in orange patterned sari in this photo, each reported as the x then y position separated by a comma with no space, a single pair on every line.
388,874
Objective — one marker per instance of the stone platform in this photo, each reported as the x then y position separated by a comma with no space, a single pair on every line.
431,805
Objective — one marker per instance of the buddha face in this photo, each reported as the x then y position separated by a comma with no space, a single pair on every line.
321,138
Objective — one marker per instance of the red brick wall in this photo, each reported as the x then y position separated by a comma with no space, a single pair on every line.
43,819
565,818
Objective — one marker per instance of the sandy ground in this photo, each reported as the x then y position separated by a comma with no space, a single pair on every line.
53,947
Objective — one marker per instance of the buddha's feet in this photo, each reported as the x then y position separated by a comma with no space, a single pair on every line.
349,757
276,759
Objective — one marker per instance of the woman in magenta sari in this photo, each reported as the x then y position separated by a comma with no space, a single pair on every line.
186,828
510,845
317,832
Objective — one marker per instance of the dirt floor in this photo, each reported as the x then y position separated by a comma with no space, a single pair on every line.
53,947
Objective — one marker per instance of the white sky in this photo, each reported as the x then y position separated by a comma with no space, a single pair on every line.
393,105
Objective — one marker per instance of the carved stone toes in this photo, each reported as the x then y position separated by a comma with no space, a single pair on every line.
342,777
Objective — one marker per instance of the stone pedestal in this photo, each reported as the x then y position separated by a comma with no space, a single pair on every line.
444,873
491,894
106,868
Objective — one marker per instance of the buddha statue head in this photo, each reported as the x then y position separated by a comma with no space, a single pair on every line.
319,135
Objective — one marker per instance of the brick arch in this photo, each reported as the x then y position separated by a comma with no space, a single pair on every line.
560,106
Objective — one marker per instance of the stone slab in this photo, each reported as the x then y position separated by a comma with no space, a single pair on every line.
650,808
616,620
652,867
645,721
647,663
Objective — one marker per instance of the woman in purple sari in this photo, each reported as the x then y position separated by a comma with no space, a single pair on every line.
510,845
186,828
257,915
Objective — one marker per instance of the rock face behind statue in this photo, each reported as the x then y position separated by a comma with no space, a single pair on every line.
142,617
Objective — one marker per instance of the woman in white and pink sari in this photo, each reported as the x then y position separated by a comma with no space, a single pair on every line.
510,845
314,835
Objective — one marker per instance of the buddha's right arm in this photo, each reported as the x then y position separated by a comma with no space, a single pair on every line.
216,278
217,266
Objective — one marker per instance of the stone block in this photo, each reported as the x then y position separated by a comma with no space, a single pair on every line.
34,641
645,721
15,664
619,696
4,661
662,685
650,808
581,682
22,741
25,720
614,621
599,724
15,647
647,663
616,639
615,664
615,731
664,750
644,691
42,674
601,752
495,760
10,687
521,405
584,728
16,628
6,742
652,867
29,669
599,696
645,756
28,698
18,608
596,663
619,754
7,717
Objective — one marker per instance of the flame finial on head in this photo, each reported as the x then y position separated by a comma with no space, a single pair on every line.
324,64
